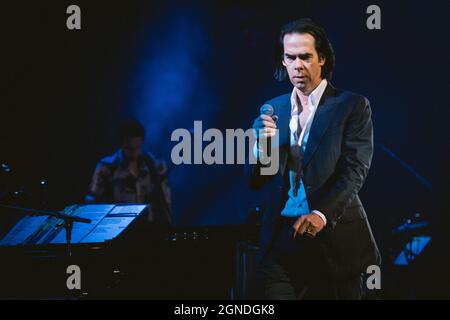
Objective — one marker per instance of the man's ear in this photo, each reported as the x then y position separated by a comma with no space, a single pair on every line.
322,60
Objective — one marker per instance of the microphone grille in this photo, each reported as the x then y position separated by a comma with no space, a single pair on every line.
266,109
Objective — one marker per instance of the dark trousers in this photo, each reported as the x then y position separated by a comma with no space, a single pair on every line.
295,269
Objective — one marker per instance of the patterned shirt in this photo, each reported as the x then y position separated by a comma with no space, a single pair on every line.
113,182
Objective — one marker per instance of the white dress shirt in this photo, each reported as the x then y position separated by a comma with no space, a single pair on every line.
297,205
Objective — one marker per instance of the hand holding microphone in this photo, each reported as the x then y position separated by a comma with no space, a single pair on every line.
265,125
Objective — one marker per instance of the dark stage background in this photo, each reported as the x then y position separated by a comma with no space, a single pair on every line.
64,92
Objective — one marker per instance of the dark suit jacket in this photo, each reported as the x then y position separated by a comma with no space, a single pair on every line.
336,161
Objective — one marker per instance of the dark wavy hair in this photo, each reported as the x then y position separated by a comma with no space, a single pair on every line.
322,44
130,128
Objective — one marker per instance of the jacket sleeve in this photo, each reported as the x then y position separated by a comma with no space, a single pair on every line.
353,164
255,178
100,184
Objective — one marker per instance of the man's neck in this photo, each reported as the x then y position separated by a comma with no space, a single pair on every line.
307,91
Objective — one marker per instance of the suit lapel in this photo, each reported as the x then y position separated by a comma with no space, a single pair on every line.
324,113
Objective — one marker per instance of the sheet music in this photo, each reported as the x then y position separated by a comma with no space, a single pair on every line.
107,222
107,229
127,209
94,212
22,230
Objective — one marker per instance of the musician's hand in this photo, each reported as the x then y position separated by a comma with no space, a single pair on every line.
264,126
309,223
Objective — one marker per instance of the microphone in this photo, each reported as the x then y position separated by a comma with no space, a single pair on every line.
5,167
267,109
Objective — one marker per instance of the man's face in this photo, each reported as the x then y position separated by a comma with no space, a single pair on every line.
132,147
302,61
